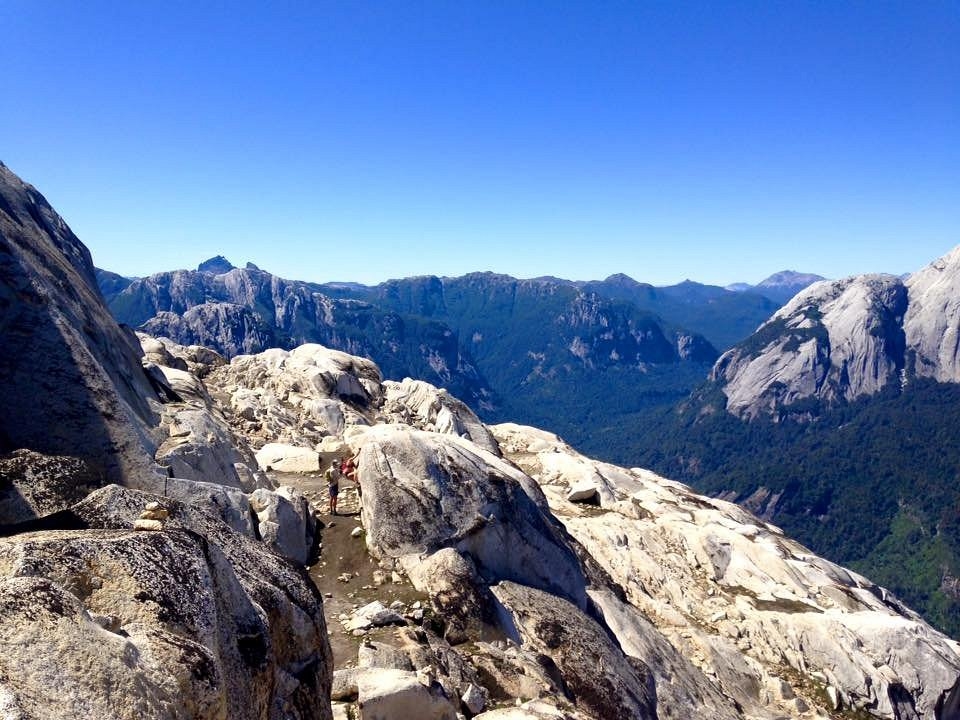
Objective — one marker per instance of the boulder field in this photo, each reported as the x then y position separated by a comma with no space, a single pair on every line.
577,587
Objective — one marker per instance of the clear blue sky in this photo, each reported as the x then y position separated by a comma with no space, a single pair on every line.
719,141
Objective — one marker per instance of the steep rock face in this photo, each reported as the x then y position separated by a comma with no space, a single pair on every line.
835,341
232,329
846,339
194,622
772,622
61,346
247,310
932,323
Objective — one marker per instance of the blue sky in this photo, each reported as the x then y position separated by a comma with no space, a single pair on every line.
719,141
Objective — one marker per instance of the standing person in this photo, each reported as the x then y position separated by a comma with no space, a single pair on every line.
332,476
349,468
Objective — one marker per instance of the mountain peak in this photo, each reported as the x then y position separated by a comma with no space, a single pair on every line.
834,341
621,279
789,278
216,265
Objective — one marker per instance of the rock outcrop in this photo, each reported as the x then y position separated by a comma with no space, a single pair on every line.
423,492
423,406
835,341
196,621
197,443
842,340
297,398
932,322
70,379
199,361
285,522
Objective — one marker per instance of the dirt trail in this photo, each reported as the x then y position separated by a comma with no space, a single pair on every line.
341,554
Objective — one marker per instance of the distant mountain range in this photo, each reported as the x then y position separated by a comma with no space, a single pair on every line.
512,348
246,310
779,287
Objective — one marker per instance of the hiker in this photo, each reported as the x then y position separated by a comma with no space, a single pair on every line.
332,475
349,468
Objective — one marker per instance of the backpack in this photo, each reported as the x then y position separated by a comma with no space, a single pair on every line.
332,475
